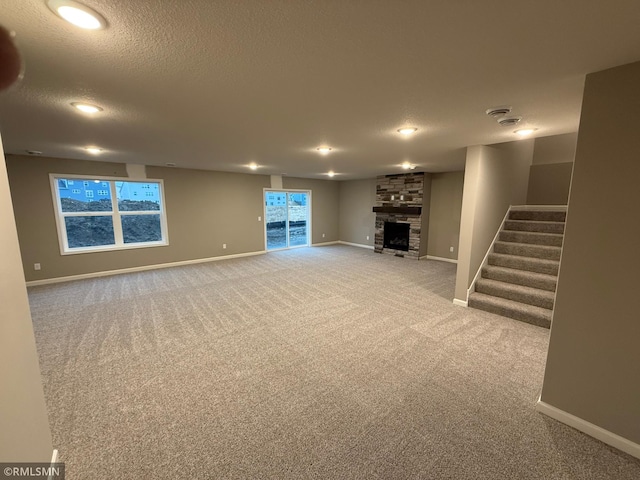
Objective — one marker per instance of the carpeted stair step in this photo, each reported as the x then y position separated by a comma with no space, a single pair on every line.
508,308
534,226
517,293
520,277
535,238
528,250
538,265
538,215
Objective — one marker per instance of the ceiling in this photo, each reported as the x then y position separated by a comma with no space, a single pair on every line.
219,84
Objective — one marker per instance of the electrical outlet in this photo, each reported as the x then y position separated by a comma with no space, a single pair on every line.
367,237
259,219
224,245
323,235
451,249
36,266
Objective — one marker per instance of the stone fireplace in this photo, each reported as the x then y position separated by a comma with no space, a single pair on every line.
402,214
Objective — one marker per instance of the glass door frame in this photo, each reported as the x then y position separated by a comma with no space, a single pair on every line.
264,216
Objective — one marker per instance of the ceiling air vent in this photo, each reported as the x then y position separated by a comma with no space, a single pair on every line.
498,111
509,121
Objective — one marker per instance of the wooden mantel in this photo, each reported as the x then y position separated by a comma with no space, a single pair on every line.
398,210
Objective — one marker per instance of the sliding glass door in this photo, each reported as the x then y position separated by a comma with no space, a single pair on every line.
286,219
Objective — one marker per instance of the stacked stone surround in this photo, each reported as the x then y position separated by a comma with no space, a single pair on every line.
403,190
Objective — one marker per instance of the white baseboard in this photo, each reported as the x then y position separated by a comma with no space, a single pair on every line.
54,460
143,268
440,259
460,303
590,429
370,247
324,244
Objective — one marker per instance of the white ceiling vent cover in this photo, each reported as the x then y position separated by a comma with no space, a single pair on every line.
509,121
498,111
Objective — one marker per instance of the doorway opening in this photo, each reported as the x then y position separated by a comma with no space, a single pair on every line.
286,219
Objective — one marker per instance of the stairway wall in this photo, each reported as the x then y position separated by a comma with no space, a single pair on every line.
549,184
495,177
593,365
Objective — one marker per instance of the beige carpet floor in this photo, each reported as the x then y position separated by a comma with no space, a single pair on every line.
328,363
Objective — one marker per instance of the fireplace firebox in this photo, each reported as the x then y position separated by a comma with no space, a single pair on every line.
396,236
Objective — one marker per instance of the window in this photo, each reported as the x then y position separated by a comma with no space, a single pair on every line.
102,214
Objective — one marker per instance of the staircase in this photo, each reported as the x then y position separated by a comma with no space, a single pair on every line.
521,273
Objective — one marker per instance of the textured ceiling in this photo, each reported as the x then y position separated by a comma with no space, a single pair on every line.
219,84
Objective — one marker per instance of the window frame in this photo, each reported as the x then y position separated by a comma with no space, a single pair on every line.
115,214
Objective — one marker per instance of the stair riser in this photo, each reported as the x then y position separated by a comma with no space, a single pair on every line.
542,216
531,238
524,226
523,263
534,251
529,299
520,278
516,315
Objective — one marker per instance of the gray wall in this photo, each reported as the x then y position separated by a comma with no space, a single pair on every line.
204,210
325,198
555,149
444,214
549,184
593,366
550,175
24,424
441,213
495,177
356,219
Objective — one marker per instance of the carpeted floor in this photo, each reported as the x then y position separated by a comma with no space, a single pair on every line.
327,363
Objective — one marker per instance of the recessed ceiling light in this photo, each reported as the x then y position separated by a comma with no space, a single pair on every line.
525,131
324,150
408,166
331,173
94,150
253,166
77,14
86,107
407,130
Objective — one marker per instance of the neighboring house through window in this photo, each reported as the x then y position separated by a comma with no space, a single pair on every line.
107,214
